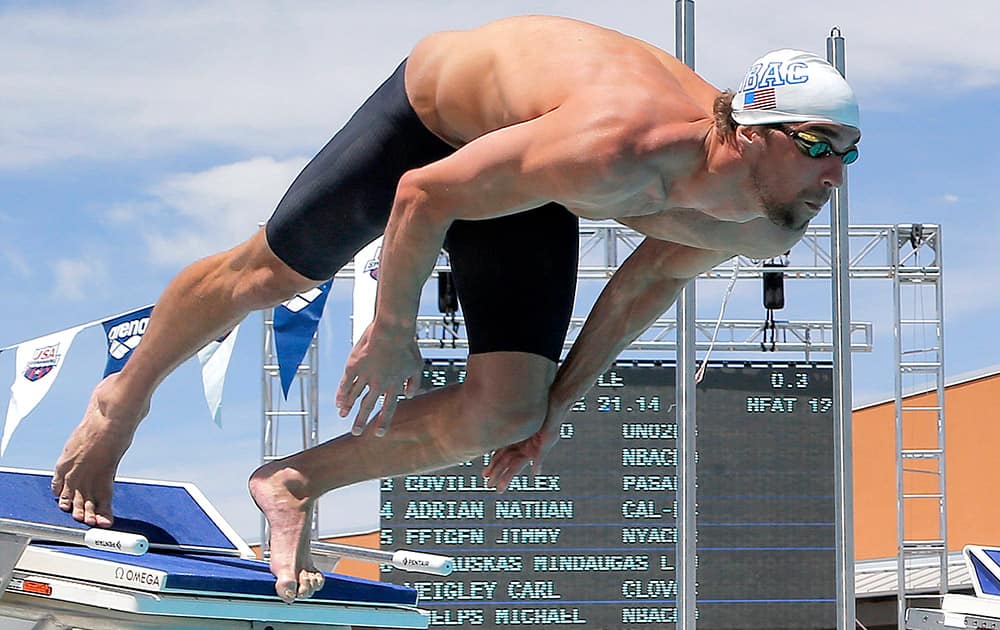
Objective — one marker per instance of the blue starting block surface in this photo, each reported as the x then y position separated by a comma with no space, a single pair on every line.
195,557
170,515
983,564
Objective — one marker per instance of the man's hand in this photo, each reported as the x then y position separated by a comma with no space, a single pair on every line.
510,460
387,364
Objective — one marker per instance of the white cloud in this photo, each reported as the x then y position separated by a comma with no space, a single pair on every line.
949,198
17,263
76,278
206,212
136,79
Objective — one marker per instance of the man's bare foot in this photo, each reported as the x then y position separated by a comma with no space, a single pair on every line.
85,472
279,492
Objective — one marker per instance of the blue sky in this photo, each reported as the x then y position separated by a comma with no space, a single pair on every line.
136,137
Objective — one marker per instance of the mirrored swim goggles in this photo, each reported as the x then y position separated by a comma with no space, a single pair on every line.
817,146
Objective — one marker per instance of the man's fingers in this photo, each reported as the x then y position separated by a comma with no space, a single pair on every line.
498,461
384,418
503,468
348,394
488,469
364,412
344,387
412,387
507,475
536,466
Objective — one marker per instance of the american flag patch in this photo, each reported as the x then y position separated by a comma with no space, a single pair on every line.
759,99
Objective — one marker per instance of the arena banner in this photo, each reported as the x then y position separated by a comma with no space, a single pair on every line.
295,323
124,332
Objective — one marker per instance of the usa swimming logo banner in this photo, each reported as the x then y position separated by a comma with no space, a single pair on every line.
295,323
124,333
37,365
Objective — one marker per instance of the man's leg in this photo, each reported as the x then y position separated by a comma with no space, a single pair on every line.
337,204
503,400
204,301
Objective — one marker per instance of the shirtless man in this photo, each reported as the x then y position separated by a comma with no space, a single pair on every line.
493,142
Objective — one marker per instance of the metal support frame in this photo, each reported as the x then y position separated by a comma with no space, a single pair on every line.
686,413
734,335
843,464
302,404
920,453
869,252
605,245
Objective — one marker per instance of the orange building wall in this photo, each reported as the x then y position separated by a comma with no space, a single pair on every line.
972,442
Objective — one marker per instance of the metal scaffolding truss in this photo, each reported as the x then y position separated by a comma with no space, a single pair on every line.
920,434
907,254
733,335
604,246
874,251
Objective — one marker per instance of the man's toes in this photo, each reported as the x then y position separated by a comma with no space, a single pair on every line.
103,518
89,513
286,590
310,581
79,509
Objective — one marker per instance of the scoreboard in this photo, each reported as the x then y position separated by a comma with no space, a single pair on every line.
591,541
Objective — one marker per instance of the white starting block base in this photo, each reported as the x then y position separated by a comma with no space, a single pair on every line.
959,612
962,612
198,573
144,611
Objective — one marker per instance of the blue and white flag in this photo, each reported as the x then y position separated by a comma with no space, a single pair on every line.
214,359
37,362
295,323
124,334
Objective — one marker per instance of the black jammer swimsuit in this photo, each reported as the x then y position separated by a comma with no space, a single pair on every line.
515,275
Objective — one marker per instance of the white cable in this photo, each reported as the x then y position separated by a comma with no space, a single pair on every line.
700,374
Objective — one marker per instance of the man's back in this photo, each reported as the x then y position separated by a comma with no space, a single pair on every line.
464,84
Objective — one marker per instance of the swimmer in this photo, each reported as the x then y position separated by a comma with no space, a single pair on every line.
492,143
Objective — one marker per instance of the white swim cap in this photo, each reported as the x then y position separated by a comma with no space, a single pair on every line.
794,86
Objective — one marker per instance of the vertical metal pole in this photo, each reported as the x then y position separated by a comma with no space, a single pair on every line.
314,415
265,404
686,422
898,385
943,483
843,472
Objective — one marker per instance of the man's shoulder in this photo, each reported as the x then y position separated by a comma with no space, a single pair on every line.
641,118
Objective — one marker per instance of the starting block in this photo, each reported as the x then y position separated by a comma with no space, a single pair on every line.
966,611
197,572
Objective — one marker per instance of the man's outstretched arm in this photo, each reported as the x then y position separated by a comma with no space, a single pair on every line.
202,302
645,286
